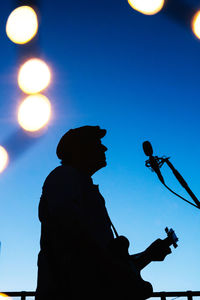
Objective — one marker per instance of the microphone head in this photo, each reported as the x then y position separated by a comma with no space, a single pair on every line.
148,150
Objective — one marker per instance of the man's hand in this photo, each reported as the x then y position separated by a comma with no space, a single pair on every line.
158,250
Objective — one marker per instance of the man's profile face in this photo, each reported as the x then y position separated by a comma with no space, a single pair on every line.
96,155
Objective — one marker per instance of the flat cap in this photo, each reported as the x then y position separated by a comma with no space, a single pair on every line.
74,137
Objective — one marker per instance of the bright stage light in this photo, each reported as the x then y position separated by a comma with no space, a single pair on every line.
147,7
3,165
22,25
34,76
34,112
4,296
196,24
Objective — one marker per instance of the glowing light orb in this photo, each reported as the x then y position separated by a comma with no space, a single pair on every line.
22,25
34,76
196,24
34,112
147,7
3,165
4,296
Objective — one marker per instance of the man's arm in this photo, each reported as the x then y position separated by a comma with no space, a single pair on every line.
157,251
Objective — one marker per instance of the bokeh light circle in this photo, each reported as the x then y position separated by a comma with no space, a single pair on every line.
34,76
5,297
22,25
196,24
34,112
147,7
3,164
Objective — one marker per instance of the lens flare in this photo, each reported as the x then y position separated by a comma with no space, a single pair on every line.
147,7
5,297
34,76
22,25
3,165
196,24
34,112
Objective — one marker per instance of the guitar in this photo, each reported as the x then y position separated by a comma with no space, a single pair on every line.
130,278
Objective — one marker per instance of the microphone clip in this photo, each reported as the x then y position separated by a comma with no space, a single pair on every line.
159,161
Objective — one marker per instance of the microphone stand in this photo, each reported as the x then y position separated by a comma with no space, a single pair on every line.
182,182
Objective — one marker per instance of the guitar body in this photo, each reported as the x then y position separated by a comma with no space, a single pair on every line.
134,285
131,281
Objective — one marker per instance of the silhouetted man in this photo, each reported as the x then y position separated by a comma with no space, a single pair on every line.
79,254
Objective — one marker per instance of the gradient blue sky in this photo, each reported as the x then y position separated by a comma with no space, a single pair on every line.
138,77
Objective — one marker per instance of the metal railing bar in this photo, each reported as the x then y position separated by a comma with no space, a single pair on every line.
175,294
162,295
22,294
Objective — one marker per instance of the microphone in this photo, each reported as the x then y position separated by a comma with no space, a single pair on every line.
153,161
148,150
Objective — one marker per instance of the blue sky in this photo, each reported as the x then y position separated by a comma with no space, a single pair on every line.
138,77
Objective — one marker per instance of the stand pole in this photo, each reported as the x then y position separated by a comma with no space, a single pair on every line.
182,182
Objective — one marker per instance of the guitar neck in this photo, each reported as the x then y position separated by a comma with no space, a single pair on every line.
141,260
168,241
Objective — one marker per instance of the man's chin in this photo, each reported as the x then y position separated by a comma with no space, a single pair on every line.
104,163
